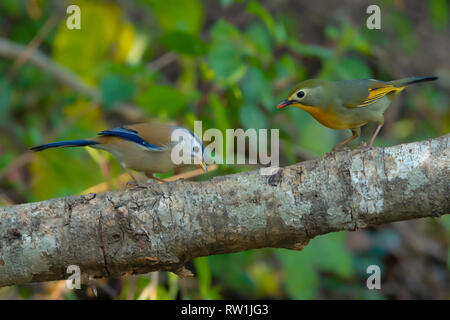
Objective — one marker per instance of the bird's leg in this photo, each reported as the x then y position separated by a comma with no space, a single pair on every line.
135,181
375,134
356,133
365,145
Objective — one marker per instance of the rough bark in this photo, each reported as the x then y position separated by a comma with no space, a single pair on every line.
163,227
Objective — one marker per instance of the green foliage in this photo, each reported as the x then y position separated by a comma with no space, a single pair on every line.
162,99
115,89
404,28
301,280
258,10
85,49
178,15
5,99
439,13
204,279
225,55
184,43
325,253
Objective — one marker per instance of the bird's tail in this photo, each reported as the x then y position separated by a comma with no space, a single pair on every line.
71,143
407,81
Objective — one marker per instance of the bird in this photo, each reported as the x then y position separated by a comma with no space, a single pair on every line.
348,104
144,147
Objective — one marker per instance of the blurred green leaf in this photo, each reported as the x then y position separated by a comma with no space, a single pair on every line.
115,89
184,43
300,278
260,42
162,99
330,253
332,32
405,31
205,279
220,113
179,15
226,53
5,99
252,117
25,292
256,88
266,279
310,50
232,270
257,9
13,8
203,275
288,67
162,293
226,3
173,285
101,29
352,68
439,13
6,159
310,129
142,282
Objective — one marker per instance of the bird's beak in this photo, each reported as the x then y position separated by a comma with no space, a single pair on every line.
203,165
285,103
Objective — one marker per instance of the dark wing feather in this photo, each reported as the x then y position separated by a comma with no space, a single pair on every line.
370,91
129,135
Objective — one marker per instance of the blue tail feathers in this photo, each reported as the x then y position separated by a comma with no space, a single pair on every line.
71,143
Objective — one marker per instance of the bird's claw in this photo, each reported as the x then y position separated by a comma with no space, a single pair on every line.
333,151
363,146
134,184
327,154
131,184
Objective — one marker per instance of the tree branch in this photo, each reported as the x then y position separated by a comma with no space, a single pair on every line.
163,227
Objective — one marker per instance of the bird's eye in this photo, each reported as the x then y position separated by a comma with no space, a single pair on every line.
300,94
195,149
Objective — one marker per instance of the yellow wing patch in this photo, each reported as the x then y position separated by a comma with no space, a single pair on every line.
377,93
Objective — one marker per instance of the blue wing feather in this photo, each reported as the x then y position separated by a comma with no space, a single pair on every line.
129,135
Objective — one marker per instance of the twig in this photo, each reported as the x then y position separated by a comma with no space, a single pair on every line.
162,61
33,45
11,50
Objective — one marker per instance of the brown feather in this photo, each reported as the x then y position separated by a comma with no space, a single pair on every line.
153,132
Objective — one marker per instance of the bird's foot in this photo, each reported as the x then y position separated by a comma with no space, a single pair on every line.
333,152
154,182
363,146
135,184
327,154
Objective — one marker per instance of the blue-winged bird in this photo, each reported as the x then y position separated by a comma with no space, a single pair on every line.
143,147
348,104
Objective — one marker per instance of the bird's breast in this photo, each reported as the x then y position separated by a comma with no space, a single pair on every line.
137,157
327,117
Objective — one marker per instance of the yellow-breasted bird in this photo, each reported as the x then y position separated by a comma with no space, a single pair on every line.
144,147
348,104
